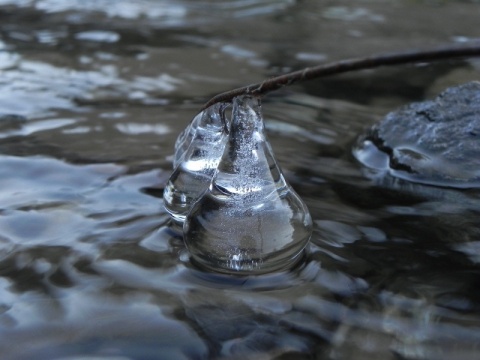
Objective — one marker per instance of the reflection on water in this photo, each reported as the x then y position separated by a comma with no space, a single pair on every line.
93,95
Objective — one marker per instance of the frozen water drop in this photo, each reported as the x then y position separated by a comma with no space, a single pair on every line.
249,220
197,165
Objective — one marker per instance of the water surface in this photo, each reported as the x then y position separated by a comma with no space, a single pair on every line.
93,95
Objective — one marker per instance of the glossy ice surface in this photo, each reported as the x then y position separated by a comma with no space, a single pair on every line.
185,138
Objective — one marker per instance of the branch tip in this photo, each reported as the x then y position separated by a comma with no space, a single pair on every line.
342,66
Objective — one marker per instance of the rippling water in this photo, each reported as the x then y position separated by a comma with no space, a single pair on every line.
93,95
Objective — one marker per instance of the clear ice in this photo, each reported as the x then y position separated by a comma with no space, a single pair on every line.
249,220
206,137
185,139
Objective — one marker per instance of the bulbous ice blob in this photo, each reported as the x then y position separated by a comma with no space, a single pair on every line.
432,142
194,172
249,221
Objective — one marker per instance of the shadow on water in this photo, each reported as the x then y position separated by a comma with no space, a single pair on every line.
93,95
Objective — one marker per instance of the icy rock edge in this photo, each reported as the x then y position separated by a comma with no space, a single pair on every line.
434,142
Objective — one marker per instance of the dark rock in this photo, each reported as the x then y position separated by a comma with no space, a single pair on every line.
434,142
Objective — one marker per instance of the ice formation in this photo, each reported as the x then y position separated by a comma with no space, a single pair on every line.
249,220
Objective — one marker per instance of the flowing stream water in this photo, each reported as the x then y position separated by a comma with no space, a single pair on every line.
93,95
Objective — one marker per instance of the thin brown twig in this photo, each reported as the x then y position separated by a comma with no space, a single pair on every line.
343,66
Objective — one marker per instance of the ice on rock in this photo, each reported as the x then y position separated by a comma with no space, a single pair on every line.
249,220
206,135
434,142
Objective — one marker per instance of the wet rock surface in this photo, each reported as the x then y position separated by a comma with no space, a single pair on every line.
435,142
